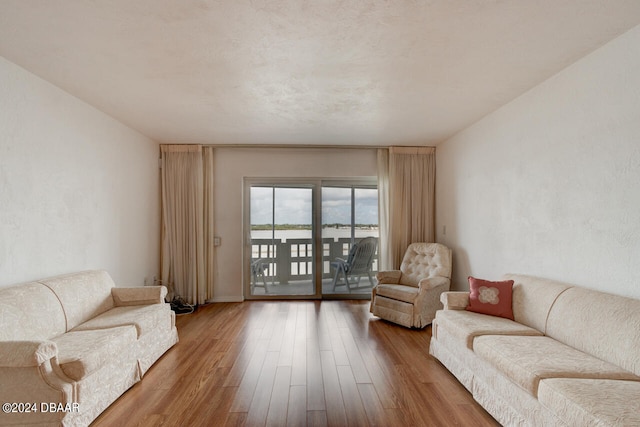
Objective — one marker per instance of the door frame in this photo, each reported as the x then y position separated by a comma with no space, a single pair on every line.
316,185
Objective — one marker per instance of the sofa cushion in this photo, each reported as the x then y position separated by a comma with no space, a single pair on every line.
527,360
81,353
83,295
145,318
466,325
492,298
588,402
533,298
605,325
398,292
30,312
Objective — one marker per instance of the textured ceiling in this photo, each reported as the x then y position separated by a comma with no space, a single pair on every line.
303,72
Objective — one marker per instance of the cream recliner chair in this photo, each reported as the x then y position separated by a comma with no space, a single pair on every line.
411,296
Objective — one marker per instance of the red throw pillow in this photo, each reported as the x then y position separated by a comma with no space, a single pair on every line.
493,298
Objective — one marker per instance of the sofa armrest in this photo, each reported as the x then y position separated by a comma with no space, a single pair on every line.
140,295
390,276
24,354
454,300
29,372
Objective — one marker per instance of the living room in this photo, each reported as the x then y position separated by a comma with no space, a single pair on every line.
547,183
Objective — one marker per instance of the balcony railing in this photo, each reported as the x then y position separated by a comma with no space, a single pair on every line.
292,259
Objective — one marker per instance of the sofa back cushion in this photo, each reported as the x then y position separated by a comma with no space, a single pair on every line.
83,295
603,325
532,298
30,312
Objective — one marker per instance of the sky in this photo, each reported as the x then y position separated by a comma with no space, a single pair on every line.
293,205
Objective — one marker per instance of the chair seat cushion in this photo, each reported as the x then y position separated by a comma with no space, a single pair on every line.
544,358
589,402
398,292
81,353
465,326
146,318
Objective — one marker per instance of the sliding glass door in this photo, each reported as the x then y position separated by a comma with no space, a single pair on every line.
299,236
281,239
349,215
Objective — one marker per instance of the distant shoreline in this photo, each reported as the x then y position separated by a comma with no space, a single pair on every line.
282,227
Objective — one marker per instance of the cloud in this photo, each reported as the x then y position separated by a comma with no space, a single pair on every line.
293,205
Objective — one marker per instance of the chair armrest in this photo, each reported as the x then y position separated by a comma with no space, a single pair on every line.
433,282
24,354
140,295
391,276
454,300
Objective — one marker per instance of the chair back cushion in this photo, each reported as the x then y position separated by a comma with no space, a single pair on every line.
423,260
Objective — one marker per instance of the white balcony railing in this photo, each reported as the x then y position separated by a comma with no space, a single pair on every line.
292,259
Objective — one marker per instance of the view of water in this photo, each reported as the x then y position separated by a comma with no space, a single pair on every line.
334,233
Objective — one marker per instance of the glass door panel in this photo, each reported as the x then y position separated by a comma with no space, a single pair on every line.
282,248
366,217
349,214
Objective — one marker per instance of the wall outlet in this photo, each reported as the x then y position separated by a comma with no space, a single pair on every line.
217,241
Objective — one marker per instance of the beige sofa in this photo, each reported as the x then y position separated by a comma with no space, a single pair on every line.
71,345
570,358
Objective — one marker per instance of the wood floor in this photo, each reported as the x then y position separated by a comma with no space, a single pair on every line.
290,363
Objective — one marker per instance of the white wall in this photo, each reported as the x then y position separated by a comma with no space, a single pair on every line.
232,165
549,184
78,190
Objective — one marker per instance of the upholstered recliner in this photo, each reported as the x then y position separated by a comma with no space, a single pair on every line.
411,296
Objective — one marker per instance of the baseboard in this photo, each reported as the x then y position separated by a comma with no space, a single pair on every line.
226,299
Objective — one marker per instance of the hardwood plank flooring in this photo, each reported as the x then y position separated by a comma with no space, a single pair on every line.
295,363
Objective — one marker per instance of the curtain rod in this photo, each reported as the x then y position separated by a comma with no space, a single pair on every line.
345,147
292,146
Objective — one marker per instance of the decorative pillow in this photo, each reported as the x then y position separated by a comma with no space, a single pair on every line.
493,298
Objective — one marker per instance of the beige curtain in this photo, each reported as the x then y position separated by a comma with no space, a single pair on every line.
411,199
187,220
210,259
384,255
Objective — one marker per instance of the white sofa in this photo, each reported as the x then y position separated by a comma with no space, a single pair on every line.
71,345
570,358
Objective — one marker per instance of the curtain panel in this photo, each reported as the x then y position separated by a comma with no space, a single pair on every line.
187,221
384,254
411,199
